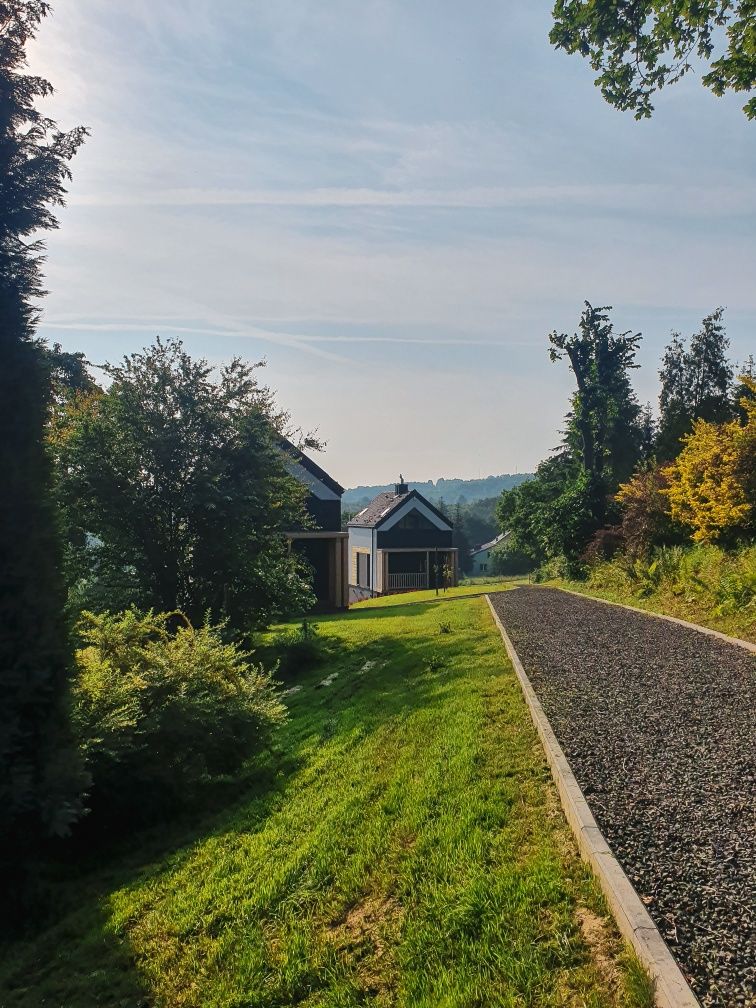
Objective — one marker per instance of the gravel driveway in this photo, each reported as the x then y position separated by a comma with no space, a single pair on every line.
658,724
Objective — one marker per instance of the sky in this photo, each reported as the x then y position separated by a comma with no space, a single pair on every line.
391,202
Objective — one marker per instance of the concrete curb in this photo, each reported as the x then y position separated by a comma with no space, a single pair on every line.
657,615
670,986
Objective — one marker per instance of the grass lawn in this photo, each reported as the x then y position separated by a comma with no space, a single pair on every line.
404,846
470,587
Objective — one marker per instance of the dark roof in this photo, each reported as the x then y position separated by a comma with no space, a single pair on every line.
379,509
494,542
312,467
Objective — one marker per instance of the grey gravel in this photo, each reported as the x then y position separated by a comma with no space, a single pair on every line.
658,724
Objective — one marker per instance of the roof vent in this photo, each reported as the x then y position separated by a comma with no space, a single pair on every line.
401,487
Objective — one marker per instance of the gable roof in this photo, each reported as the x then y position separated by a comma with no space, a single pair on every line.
312,467
489,545
385,504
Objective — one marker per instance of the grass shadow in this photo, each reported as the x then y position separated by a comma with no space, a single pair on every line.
376,681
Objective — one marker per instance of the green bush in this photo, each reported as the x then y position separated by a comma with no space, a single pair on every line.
705,577
160,714
300,649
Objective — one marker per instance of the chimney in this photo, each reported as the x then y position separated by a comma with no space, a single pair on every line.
401,487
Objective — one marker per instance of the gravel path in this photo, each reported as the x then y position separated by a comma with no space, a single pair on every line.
658,724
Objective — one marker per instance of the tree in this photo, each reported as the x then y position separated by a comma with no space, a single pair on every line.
638,47
460,538
547,516
39,777
744,388
646,520
695,383
180,483
604,427
481,524
712,483
67,373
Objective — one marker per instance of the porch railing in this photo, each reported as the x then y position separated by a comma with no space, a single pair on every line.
407,581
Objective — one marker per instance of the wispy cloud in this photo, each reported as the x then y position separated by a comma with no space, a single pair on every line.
690,201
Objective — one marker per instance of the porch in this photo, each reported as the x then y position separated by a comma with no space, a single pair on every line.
415,570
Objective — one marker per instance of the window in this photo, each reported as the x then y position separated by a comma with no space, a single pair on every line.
484,567
363,570
414,520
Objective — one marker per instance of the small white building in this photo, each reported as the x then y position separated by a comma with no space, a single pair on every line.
481,555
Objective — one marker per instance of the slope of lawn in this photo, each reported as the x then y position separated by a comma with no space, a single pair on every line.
403,847
470,587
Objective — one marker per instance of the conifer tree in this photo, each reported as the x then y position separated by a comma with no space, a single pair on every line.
39,777
461,539
603,427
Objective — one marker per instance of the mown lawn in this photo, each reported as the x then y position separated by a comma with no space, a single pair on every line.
403,847
470,588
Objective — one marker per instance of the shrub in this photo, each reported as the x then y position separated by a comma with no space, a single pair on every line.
712,482
300,649
646,519
158,714
605,544
558,568
707,577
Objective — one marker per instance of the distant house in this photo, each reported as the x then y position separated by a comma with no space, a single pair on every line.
400,542
325,546
481,555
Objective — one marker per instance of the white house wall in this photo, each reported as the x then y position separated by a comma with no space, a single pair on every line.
361,539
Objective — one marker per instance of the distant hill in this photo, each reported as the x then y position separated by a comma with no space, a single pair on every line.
448,490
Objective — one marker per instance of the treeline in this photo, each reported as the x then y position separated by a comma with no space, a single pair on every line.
626,479
450,491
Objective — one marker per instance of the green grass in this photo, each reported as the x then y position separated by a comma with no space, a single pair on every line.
404,847
472,586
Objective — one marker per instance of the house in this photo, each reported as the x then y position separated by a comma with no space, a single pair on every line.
324,546
481,555
400,542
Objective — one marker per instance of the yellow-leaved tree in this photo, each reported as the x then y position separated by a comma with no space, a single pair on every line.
712,483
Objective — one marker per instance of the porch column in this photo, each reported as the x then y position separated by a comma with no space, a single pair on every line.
344,567
427,568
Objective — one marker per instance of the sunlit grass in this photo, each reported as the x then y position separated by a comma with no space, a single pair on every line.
471,587
406,849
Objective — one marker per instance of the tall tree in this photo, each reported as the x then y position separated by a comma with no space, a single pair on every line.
604,426
39,779
177,477
696,383
640,46
744,388
461,539
67,373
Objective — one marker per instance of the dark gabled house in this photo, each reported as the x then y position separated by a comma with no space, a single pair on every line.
324,546
400,542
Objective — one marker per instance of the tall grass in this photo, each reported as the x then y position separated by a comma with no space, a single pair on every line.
704,584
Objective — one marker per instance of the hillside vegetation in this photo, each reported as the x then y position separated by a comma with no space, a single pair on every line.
447,490
701,584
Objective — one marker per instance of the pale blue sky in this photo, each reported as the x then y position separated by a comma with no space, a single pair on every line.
393,202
